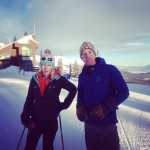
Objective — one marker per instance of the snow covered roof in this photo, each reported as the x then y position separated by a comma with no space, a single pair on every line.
26,40
2,45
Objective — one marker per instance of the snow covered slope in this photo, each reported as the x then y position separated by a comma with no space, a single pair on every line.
133,116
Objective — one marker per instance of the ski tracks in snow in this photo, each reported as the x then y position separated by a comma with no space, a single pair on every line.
134,126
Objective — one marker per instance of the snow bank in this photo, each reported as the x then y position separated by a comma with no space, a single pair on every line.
140,97
13,72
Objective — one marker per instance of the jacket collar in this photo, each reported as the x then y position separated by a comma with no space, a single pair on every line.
90,69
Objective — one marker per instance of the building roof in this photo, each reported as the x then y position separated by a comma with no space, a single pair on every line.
28,39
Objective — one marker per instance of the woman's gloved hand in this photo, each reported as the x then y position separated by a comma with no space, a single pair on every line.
31,125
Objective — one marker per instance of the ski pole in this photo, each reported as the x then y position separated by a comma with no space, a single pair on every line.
21,138
62,140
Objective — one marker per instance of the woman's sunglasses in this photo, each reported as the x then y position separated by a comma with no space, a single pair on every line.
49,59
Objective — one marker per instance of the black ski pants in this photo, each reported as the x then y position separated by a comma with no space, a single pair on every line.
46,128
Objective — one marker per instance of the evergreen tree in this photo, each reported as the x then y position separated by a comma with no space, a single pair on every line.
15,39
75,69
60,65
97,53
25,33
70,69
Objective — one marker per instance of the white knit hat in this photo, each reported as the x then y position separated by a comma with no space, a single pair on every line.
47,58
87,45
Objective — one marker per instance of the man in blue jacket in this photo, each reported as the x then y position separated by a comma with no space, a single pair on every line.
101,88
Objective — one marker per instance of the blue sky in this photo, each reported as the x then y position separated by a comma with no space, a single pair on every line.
119,29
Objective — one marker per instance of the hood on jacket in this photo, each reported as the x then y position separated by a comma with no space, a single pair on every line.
90,69
54,74
100,60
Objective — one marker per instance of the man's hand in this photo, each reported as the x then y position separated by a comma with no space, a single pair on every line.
82,114
97,112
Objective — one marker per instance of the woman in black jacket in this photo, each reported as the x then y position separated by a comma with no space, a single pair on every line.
42,105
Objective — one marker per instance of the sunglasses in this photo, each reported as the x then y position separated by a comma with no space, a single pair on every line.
49,59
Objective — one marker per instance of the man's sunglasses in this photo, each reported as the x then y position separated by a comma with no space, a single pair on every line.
49,59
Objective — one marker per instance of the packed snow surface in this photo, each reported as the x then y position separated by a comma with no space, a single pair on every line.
133,117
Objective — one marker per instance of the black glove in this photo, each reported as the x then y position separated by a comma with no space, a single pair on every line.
25,119
31,125
82,114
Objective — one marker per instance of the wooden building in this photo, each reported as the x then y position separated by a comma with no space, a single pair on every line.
20,53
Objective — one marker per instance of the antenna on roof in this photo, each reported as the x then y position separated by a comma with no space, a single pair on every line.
34,27
9,39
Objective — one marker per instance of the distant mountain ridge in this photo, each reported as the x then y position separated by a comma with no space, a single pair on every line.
131,74
136,74
136,78
135,69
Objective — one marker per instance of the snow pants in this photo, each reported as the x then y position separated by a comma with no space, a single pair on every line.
48,129
101,138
